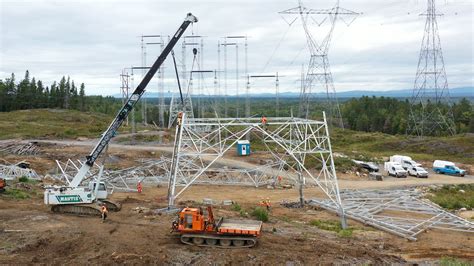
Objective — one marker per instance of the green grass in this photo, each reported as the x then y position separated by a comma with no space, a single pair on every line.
23,179
333,226
51,123
236,207
448,261
16,193
450,197
141,138
374,146
260,214
56,124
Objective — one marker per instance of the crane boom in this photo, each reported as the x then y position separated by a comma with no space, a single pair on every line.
128,106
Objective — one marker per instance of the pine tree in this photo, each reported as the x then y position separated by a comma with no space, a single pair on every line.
62,93
82,100
41,99
3,96
74,97
31,95
53,96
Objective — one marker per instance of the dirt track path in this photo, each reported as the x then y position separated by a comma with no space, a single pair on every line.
344,180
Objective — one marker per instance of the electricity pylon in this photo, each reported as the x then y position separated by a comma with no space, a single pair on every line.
318,75
427,115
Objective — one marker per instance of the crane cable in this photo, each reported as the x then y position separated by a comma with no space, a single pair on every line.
177,77
191,73
276,48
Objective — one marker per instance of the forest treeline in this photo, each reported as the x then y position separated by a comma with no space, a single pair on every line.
29,93
371,114
390,115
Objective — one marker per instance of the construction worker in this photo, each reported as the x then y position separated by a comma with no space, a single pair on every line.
180,114
267,204
264,122
3,184
104,212
139,187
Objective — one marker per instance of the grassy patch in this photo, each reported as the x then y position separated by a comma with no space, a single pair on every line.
374,145
333,226
448,261
140,138
450,196
260,214
54,123
285,219
343,164
16,193
236,207
26,180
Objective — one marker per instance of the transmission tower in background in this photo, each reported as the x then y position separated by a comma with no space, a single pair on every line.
125,88
318,75
161,81
427,116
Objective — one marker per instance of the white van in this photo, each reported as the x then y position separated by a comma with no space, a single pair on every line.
405,161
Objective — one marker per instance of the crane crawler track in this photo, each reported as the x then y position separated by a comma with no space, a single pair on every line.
111,205
86,209
218,241
82,210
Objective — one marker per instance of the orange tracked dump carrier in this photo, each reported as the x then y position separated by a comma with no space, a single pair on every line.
199,229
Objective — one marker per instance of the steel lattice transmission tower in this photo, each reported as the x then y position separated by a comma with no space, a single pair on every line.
318,75
427,116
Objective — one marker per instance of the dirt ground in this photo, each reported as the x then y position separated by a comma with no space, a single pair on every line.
31,233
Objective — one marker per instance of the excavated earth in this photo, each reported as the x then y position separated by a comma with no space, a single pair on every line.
31,233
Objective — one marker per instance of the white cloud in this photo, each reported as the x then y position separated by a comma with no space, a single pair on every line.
92,41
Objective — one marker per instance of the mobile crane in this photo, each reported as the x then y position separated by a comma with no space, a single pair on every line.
83,200
199,229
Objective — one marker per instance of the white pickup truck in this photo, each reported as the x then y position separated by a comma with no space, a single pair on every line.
418,171
395,169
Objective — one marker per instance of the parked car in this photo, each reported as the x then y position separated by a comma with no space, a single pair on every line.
370,166
395,169
447,168
418,172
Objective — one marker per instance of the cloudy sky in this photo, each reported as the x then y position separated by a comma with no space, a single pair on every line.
93,41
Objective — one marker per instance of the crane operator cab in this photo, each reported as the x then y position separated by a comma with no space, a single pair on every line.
102,192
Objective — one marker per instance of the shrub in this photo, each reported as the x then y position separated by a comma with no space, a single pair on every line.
23,179
261,214
448,261
333,226
17,194
327,225
236,207
345,232
450,197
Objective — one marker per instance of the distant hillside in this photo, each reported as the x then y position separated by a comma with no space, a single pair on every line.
467,92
